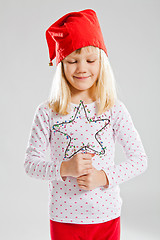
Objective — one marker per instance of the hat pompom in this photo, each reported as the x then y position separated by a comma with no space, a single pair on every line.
50,63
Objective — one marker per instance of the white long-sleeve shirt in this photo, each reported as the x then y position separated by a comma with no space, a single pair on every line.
68,135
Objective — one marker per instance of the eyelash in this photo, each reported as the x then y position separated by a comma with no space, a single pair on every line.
76,61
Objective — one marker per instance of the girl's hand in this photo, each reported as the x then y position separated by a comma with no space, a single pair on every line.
96,178
78,165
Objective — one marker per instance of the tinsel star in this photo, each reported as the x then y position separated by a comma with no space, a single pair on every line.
82,132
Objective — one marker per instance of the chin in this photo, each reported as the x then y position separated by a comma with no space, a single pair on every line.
83,88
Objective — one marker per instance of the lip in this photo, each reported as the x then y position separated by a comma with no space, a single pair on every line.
81,77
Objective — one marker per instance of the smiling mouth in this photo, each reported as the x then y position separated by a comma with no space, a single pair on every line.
81,77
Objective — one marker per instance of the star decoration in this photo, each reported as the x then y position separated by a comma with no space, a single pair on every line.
80,131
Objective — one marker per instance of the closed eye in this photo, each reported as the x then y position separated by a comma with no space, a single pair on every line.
90,61
87,61
72,62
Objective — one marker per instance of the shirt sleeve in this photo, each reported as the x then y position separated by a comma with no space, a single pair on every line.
35,164
126,134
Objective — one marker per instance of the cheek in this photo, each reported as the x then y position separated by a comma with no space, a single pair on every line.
68,71
95,70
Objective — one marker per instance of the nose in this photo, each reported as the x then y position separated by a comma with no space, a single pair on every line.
81,67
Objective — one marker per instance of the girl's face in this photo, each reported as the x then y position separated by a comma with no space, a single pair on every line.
82,69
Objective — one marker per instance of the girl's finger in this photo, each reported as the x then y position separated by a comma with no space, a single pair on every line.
82,186
80,179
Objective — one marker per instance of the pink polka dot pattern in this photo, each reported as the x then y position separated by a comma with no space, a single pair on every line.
39,139
67,202
126,134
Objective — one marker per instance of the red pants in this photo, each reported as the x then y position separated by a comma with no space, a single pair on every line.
100,231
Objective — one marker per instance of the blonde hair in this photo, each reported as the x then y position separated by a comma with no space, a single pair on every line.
104,88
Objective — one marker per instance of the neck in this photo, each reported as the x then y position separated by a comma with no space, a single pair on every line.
86,96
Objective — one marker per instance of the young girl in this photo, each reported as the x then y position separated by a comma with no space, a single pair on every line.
81,121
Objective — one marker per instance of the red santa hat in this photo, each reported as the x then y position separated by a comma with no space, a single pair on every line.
73,31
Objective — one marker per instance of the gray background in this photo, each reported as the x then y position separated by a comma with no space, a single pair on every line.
132,34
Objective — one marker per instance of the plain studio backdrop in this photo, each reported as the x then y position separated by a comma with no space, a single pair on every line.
131,32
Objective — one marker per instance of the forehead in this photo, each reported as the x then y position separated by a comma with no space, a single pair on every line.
85,51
